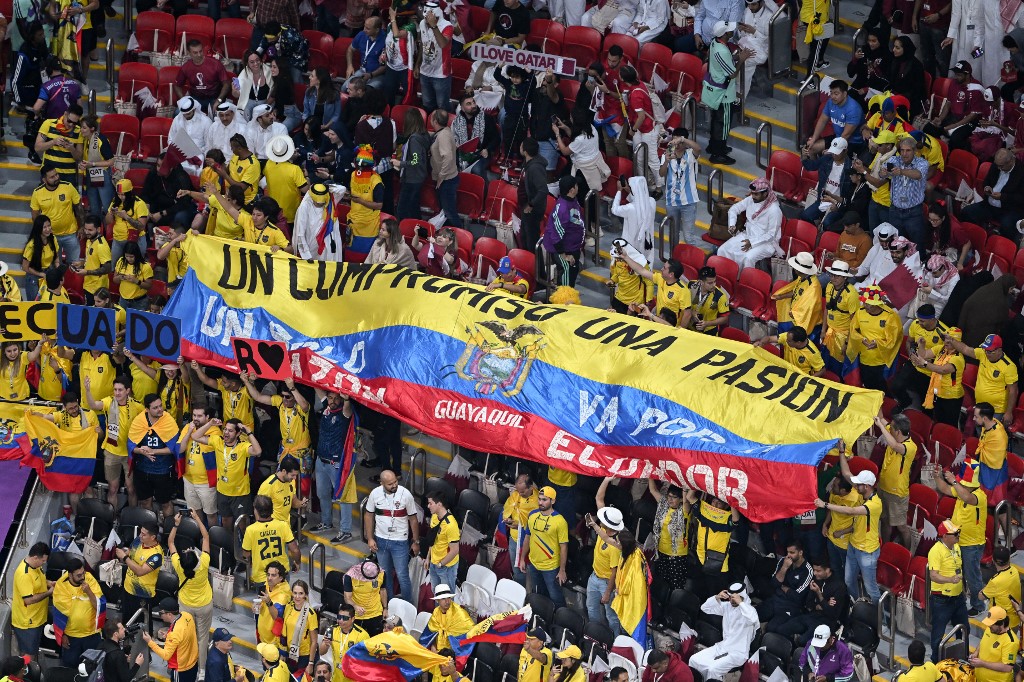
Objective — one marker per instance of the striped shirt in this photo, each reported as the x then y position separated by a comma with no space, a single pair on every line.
681,181
907,192
61,157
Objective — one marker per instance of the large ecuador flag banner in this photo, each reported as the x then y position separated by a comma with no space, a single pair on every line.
583,389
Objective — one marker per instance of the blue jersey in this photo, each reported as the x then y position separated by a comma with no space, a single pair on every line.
59,93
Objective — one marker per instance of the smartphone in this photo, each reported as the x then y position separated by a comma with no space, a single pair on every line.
889,166
622,180
422,232
977,52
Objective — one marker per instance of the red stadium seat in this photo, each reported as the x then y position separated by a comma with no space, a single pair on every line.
135,76
500,203
398,113
687,254
122,131
924,497
489,248
801,230
753,290
460,74
194,27
428,199
654,59
155,31
463,239
408,229
153,137
977,234
630,46
920,424
569,88
479,17
686,74
469,197
546,35
859,464
231,37
784,169
961,166
619,165
339,56
828,242
166,78
525,263
735,334
999,251
583,44
946,436
728,271
321,49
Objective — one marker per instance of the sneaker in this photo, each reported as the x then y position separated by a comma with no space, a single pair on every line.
590,242
824,64
320,527
721,159
341,538
975,611
370,463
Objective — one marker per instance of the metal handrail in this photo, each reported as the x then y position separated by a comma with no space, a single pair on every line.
591,220
741,75
673,237
109,57
318,547
129,16
715,174
420,454
92,102
812,78
689,104
541,270
957,629
641,168
22,541
763,130
362,520
1005,507
890,598
783,7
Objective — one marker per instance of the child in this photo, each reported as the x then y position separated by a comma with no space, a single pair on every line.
518,86
628,288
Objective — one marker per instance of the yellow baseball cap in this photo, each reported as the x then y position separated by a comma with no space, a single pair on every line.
268,651
995,614
548,491
885,137
575,653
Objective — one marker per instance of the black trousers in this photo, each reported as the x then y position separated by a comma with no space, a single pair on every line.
907,381
718,132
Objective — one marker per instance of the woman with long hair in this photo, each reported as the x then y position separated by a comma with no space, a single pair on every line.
195,594
14,364
583,150
128,213
631,602
390,246
322,99
869,67
38,255
282,94
906,74
134,276
96,164
949,238
671,533
298,636
414,166
569,666
438,255
255,83
171,384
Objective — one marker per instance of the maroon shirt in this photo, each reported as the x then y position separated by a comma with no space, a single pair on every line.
929,7
677,671
963,100
203,81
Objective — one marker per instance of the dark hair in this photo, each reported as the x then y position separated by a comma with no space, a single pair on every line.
12,665
840,85
188,562
216,154
240,140
128,203
124,379
54,276
675,267
76,109
236,194
915,652
413,123
264,506
467,94
821,561
132,249
277,566
669,316
945,229
628,74
627,543
581,123
986,410
93,219
149,399
798,333
843,485
74,564
150,527
795,544
531,147
616,671
46,168
35,238
325,90
288,464
194,42
110,627
91,121
284,85
901,423
615,50
39,549
439,497
655,658
1009,43
347,608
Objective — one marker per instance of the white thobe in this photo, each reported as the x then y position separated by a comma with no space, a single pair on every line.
218,135
990,36
756,42
739,624
308,221
653,14
257,136
195,128
939,296
764,233
965,28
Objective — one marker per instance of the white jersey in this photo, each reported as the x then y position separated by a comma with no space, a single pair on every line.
391,512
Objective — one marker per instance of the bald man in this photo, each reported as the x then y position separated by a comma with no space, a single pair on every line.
389,524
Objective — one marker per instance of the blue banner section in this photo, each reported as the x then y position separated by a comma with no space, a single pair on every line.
153,336
86,328
596,412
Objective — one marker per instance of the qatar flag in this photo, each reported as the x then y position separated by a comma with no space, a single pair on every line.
180,149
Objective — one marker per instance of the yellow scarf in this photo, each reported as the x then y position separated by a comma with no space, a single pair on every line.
936,379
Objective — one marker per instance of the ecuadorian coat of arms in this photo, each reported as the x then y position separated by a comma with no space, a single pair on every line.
498,358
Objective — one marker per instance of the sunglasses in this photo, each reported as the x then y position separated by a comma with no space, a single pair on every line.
340,617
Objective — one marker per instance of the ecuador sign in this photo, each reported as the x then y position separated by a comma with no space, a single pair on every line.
586,390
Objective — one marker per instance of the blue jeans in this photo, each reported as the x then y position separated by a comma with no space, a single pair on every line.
546,583
836,558
326,478
595,609
395,82
972,571
686,220
71,655
859,564
946,611
214,12
446,196
292,117
31,288
394,554
345,517
436,93
910,223
549,150
444,575
100,197
70,245
877,214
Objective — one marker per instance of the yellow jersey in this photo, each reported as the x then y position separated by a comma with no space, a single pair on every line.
533,670
236,404
196,471
547,535
840,522
14,378
932,339
951,386
606,557
145,585
341,642
197,591
883,329
807,359
142,383
997,649
665,545
280,595
1001,587
294,424
840,307
100,372
267,541
993,379
447,532
97,254
130,290
177,264
518,508
232,466
58,205
86,419
138,211
28,582
709,307
366,594
948,563
561,477
630,288
247,171
971,519
291,622
270,235
74,603
992,444
224,225
675,297
880,195
714,531
894,477
46,260
117,435
281,493
926,672
283,183
181,649
452,624
865,526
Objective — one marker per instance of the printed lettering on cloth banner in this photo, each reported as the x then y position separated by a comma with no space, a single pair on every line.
587,390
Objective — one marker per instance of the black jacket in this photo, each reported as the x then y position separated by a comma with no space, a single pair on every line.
832,588
115,665
533,190
1013,192
160,193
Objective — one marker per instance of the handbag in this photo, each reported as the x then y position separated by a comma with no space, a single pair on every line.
92,550
905,619
223,585
922,119
111,573
714,561
781,269
719,229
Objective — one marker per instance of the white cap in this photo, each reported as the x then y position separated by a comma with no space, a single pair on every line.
838,146
821,635
886,230
226,106
442,591
865,477
3,268
186,104
723,28
611,518
261,109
